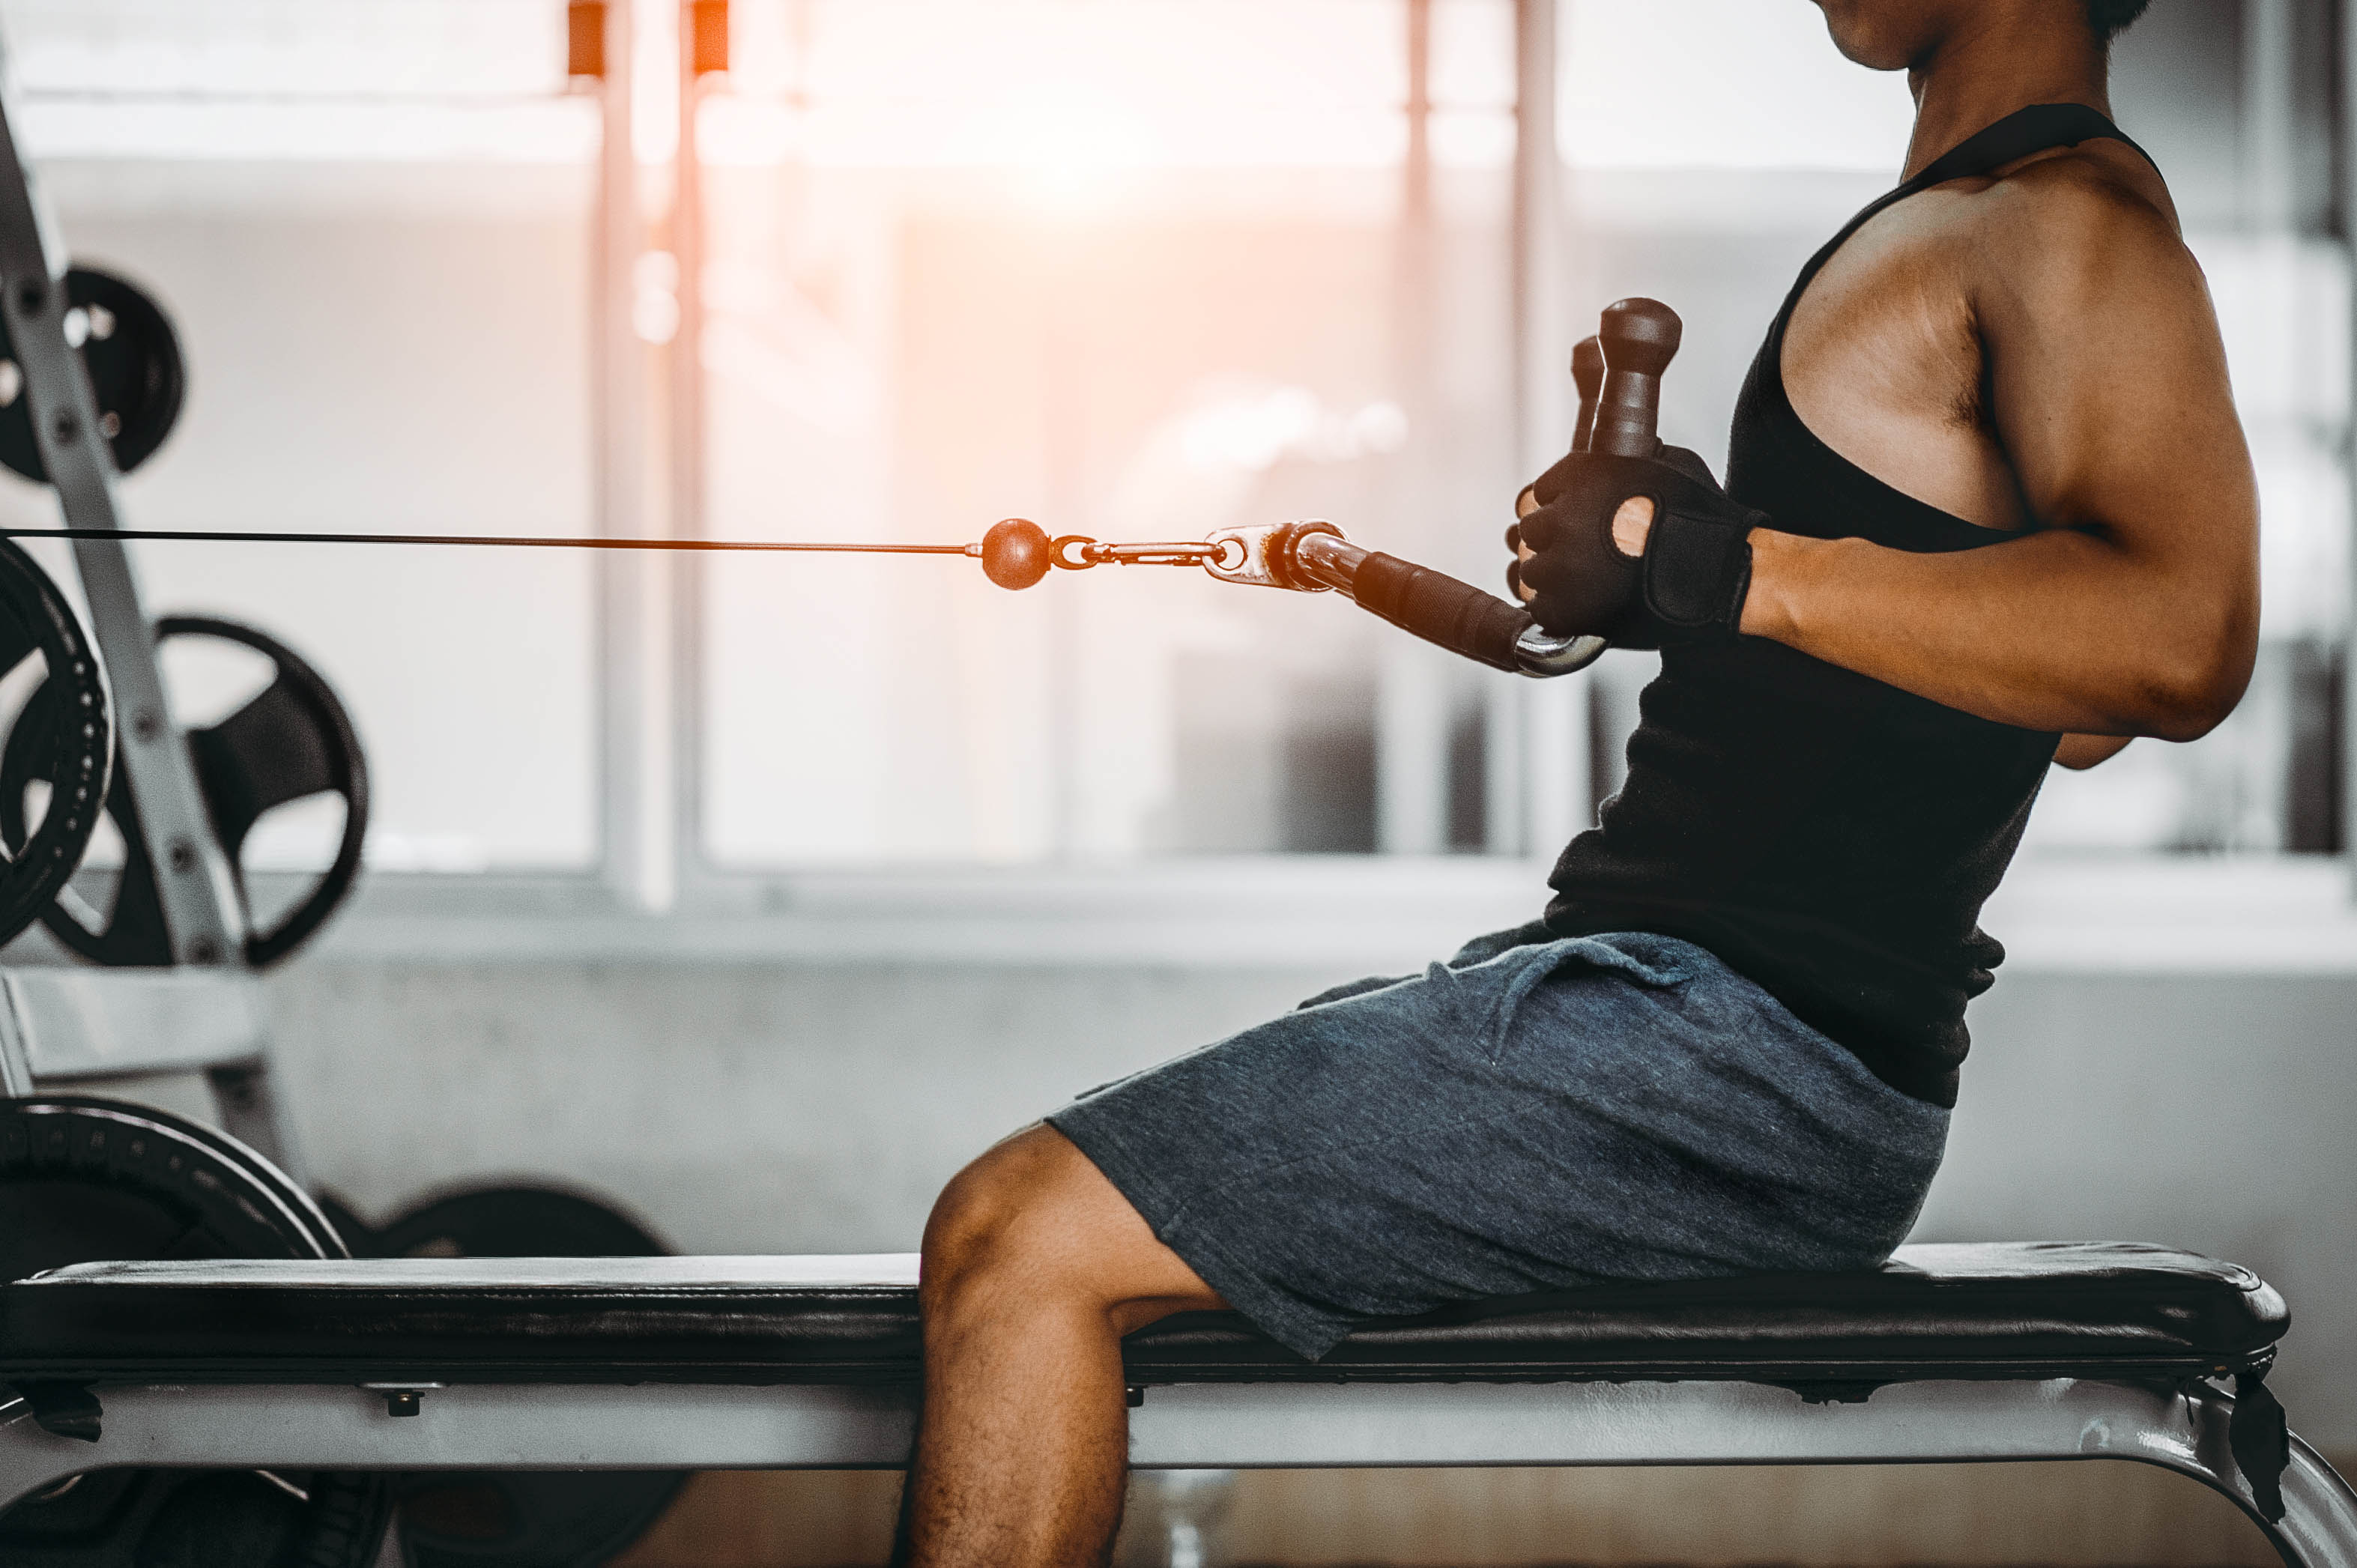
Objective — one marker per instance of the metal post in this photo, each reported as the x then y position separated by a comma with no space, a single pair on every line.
1064,427
688,449
2346,114
635,779
1412,701
15,1046
202,913
1552,762
2270,125
1542,357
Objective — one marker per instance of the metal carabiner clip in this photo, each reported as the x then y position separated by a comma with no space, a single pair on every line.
1263,555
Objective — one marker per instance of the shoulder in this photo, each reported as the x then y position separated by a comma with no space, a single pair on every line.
2085,228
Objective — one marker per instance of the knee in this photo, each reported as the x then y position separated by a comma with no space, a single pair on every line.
1001,1221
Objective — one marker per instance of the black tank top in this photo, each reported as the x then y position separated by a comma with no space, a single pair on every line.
1827,835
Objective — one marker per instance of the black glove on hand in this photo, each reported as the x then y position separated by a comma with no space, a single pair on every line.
1689,584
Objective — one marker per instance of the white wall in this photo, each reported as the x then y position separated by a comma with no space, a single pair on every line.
400,349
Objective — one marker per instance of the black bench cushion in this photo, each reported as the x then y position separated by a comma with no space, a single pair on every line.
1997,1310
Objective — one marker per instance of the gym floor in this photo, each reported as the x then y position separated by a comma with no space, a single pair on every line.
1984,1516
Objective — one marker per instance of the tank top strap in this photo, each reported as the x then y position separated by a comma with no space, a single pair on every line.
2015,137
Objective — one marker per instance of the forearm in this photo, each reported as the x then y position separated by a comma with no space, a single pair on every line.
2057,631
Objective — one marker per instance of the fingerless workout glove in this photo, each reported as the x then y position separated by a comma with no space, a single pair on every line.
1689,584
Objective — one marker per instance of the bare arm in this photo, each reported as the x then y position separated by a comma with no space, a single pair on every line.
2134,607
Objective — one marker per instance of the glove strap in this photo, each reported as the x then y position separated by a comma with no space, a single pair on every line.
1697,573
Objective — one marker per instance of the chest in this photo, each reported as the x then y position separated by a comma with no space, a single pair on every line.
1885,328
1882,361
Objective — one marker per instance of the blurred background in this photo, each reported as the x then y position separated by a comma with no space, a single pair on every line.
759,893
890,270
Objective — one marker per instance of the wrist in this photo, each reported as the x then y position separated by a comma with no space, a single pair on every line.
1776,560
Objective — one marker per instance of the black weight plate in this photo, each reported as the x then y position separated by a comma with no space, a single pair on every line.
516,1222
200,1518
528,1519
358,1235
136,374
84,1179
291,742
525,1518
133,931
63,736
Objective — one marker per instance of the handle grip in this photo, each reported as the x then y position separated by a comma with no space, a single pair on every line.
1313,557
1438,608
1639,338
1587,375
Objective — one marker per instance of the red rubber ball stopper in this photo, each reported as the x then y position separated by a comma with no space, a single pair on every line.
1015,552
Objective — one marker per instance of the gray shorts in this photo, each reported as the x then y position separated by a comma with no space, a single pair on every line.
1535,1114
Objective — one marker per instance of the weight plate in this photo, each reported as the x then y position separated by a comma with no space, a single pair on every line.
528,1519
292,742
137,374
358,1235
537,1519
86,1179
516,1222
64,733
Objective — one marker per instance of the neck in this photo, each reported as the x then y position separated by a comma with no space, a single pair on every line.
1996,60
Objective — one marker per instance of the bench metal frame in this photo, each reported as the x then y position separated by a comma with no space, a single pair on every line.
560,1426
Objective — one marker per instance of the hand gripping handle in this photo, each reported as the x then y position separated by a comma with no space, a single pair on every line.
1618,374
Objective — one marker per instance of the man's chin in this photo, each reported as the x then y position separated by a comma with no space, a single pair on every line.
1857,38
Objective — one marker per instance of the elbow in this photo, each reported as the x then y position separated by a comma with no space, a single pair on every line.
2189,690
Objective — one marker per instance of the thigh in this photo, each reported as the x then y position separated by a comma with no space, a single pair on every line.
1560,1114
1353,1158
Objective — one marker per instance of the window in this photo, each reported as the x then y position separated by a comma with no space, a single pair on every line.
1133,268
1135,271
369,222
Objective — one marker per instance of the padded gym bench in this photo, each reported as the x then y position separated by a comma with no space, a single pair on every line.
1994,1352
